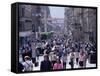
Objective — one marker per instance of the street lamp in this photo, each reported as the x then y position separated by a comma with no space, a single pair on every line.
38,17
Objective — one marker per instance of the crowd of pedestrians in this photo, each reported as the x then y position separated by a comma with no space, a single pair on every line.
55,52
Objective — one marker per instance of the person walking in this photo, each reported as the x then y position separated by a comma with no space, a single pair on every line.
58,65
34,56
45,64
72,57
33,53
26,52
81,59
53,58
64,60
28,65
85,59
77,57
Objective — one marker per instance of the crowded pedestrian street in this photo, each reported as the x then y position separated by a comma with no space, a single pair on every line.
70,57
50,41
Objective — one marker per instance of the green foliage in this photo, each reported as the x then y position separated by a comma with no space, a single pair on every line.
46,35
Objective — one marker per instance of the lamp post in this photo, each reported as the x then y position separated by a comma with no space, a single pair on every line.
37,29
45,19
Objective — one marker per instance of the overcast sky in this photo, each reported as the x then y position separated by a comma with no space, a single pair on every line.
57,12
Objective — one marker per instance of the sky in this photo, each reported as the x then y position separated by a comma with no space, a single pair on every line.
57,12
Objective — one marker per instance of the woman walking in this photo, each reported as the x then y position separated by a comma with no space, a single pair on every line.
72,56
81,59
58,65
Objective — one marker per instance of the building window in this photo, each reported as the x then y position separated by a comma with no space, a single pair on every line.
23,12
21,26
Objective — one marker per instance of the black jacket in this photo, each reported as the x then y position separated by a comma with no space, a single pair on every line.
45,66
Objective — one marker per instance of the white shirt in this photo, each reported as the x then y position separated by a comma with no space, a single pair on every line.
52,57
28,65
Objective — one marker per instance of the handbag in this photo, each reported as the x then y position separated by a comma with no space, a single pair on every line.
70,63
36,64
